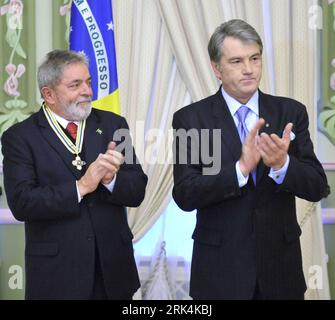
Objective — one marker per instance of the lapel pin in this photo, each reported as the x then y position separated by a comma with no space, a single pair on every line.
267,125
99,131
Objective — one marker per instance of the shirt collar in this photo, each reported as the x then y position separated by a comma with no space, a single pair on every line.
63,122
234,105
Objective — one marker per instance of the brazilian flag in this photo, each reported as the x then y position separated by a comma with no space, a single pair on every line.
92,32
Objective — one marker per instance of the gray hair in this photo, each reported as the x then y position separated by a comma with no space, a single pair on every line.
237,29
50,72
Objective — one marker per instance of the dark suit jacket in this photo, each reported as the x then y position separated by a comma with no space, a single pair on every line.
250,233
62,234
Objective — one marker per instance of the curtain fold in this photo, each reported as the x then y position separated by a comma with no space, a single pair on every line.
188,39
150,89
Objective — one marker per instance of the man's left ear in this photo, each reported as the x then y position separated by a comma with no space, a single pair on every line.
48,95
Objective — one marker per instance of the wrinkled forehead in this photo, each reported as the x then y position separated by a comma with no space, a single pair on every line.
75,71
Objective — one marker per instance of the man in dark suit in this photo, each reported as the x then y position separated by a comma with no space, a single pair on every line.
246,239
66,179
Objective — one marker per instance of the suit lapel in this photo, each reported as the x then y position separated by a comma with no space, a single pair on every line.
225,122
51,137
93,140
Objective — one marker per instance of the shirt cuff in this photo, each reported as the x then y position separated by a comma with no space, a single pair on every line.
110,186
279,175
78,193
242,180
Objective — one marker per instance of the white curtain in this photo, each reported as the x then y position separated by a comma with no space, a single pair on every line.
189,25
162,55
151,89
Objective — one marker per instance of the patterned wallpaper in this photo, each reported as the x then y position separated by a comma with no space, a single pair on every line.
327,115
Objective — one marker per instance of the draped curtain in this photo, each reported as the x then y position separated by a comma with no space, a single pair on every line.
151,90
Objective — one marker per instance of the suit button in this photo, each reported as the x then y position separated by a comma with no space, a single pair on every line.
89,237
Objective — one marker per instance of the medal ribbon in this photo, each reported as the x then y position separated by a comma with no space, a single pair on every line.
73,148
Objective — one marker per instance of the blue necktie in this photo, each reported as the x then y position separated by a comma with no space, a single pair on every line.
242,129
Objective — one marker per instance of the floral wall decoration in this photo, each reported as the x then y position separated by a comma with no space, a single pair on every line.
65,10
12,10
326,120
